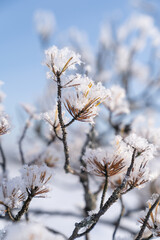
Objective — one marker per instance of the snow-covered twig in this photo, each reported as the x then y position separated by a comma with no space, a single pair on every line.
93,219
27,125
145,221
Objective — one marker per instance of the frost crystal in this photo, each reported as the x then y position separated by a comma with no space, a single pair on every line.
153,223
4,124
61,59
82,104
102,163
118,104
114,162
51,117
35,179
140,173
11,194
137,142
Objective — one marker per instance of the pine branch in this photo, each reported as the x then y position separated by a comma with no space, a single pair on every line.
93,219
119,219
146,219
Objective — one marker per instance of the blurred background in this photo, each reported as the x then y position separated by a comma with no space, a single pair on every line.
22,46
119,42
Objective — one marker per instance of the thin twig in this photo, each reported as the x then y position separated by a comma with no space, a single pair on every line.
75,117
147,238
99,189
21,150
64,133
70,122
56,232
22,138
24,208
128,190
67,166
146,219
8,210
49,142
104,188
55,131
90,198
3,158
119,219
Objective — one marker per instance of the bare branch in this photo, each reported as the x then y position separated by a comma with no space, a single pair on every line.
64,133
22,138
119,219
147,238
3,158
104,188
146,219
93,219
56,232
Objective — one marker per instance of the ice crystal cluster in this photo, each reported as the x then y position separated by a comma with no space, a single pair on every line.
117,160
51,118
153,224
85,99
140,173
4,124
82,102
33,181
102,163
35,178
61,59
11,194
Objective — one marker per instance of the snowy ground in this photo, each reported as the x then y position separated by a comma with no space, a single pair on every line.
65,200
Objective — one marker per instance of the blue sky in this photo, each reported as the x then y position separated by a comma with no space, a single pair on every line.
20,51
